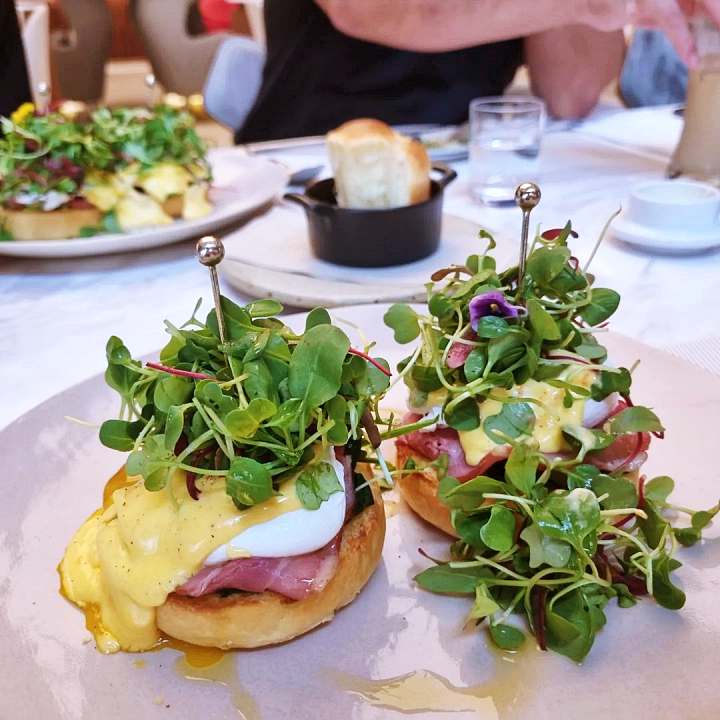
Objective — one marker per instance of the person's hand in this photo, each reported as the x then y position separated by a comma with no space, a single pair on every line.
670,16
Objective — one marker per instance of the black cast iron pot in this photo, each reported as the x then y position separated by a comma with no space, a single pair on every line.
373,238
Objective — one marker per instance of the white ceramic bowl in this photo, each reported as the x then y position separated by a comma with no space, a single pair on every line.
672,216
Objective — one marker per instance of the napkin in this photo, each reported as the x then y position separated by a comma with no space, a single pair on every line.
704,353
653,130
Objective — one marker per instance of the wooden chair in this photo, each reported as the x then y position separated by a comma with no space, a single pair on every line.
81,48
180,61
34,27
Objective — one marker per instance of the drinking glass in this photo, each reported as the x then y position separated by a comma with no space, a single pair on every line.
505,134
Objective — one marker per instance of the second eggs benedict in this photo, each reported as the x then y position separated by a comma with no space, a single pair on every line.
242,518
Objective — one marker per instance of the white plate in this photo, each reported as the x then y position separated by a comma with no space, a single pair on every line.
271,256
242,183
665,241
647,662
305,291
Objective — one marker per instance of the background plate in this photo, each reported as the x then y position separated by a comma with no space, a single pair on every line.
241,183
271,255
395,645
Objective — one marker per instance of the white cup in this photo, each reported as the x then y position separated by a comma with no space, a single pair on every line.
686,205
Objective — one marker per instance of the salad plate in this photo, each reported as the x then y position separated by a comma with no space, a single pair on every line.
397,650
242,183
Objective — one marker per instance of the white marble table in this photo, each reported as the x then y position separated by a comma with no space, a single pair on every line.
56,315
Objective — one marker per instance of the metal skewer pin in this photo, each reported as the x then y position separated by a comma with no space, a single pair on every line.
151,85
210,252
43,92
527,196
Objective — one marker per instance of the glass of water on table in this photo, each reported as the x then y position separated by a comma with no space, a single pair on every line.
505,134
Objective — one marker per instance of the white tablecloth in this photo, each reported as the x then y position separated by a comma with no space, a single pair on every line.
55,316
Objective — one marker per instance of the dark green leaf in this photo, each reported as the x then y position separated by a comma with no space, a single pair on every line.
287,414
174,426
464,416
245,423
475,364
264,308
317,316
498,532
665,592
571,517
609,382
545,550
541,321
621,492
448,580
468,495
544,264
403,321
603,303
316,483
440,305
636,419
248,482
316,365
521,468
120,434
507,637
514,420
337,409
654,526
171,390
659,488
491,326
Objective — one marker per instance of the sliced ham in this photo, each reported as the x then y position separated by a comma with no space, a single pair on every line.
432,445
294,577
459,351
627,453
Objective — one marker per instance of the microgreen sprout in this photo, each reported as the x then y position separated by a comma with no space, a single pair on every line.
251,410
551,535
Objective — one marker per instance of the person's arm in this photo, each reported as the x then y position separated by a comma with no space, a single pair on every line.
570,67
442,25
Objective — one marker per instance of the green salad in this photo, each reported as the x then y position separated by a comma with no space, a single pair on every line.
538,448
250,410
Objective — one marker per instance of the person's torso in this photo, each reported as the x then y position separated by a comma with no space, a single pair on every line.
316,78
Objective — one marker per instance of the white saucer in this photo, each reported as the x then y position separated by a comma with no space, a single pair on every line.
667,241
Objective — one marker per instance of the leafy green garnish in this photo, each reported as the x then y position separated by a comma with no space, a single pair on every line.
252,411
316,483
549,535
48,152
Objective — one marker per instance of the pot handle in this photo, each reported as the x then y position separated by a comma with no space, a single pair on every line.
301,199
447,174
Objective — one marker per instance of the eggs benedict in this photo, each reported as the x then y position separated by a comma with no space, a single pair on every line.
523,444
67,174
245,515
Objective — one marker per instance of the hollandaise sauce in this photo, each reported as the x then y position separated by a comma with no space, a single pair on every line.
130,555
550,416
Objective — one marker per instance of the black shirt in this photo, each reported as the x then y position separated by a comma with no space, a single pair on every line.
14,84
316,77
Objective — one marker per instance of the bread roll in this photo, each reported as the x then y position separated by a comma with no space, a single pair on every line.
50,225
376,167
249,620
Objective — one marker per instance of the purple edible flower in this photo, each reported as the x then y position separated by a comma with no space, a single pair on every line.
490,303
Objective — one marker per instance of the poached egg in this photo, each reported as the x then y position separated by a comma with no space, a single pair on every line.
131,554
